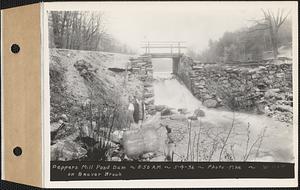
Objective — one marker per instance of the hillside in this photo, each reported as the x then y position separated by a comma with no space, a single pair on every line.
85,96
64,61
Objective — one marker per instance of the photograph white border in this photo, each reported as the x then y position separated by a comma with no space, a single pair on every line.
254,182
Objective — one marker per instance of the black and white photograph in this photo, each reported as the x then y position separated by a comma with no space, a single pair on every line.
171,82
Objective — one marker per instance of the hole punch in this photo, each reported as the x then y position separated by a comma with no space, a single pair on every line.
15,48
17,151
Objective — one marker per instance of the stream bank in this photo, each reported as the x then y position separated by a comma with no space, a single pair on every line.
254,137
89,102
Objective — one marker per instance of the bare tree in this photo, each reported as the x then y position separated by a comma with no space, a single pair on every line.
82,30
76,30
272,22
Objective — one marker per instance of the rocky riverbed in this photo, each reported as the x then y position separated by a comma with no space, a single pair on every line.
89,119
251,136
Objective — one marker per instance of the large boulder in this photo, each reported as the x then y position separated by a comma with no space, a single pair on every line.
56,126
199,113
273,93
159,107
207,96
139,142
66,132
117,136
67,150
166,111
210,103
284,108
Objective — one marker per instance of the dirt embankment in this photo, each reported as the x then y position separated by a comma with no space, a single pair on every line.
88,102
63,60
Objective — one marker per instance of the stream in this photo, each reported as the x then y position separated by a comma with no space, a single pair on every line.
276,145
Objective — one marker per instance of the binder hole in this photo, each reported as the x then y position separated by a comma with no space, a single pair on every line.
17,151
15,48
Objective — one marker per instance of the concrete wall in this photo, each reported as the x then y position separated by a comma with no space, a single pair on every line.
265,88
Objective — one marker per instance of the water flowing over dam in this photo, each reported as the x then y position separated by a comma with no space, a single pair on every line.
171,92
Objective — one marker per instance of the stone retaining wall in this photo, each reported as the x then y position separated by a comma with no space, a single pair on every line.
266,88
142,69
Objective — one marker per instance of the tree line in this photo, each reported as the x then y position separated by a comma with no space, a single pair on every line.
251,43
82,30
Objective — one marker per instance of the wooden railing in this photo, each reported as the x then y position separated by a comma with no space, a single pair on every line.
175,47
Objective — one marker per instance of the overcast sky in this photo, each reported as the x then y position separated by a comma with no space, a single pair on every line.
193,22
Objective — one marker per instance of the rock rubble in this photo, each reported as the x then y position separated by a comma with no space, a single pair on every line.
264,88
